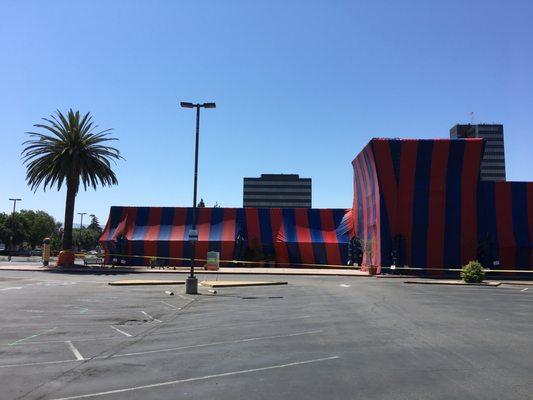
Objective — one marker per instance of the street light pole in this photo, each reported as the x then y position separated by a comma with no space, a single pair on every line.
191,284
12,226
81,214
81,219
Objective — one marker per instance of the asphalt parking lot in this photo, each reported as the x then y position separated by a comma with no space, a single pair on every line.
68,336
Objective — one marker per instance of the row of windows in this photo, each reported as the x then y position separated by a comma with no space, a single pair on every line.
256,190
493,175
277,205
276,186
277,195
255,181
274,197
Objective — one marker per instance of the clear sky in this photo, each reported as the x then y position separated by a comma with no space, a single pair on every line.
300,87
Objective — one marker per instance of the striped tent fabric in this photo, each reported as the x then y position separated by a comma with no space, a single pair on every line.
140,232
300,235
288,236
423,192
505,215
423,200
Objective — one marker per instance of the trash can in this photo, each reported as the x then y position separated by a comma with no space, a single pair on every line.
213,261
46,251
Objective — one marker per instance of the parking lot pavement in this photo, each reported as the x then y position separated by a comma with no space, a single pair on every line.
73,336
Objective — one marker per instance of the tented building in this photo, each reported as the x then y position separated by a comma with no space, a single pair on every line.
290,237
417,203
421,204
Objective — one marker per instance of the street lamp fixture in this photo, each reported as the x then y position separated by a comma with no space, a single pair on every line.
81,219
191,284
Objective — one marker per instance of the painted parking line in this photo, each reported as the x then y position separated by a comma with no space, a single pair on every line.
344,285
193,346
168,304
200,378
37,363
11,288
74,350
30,337
166,350
118,330
152,318
236,324
166,332
523,290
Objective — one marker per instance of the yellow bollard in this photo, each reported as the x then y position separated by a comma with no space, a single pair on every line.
46,251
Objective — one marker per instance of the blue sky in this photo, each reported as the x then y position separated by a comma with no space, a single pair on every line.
300,87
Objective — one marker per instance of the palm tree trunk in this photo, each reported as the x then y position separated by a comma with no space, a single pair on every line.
72,190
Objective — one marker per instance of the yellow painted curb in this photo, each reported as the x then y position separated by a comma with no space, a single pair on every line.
222,284
138,282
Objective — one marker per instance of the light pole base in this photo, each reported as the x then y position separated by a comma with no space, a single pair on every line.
191,285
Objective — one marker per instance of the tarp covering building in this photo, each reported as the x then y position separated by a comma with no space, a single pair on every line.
288,236
420,203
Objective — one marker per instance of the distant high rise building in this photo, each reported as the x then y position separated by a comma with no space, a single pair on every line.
493,161
277,191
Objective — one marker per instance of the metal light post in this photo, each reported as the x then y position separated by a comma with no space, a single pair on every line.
81,214
191,285
13,226
81,219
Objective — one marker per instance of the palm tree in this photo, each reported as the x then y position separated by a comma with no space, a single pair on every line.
71,151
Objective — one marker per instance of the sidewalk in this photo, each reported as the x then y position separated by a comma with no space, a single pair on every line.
183,270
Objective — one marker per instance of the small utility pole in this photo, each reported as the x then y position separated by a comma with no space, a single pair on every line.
13,227
81,214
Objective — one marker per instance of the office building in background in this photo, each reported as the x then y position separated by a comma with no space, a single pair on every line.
493,160
277,191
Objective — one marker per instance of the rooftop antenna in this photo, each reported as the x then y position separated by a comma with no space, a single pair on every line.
471,115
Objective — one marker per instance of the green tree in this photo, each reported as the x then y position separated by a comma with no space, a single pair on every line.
70,151
86,239
27,226
37,225
95,224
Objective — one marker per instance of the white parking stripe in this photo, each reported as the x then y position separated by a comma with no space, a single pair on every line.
523,290
149,316
168,304
37,363
118,330
74,350
11,288
199,378
253,339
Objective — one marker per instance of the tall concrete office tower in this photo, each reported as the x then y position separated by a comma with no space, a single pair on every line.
277,191
493,161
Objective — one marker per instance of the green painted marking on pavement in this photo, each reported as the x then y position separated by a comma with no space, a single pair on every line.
31,337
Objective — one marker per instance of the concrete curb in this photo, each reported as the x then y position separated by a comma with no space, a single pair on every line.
143,282
224,284
453,283
233,271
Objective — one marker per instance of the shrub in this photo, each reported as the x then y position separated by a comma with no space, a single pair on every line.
473,272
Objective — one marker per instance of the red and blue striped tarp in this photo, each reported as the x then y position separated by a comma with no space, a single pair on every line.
288,236
423,199
505,218
423,192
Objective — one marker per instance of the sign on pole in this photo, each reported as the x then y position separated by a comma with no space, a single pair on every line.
193,235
